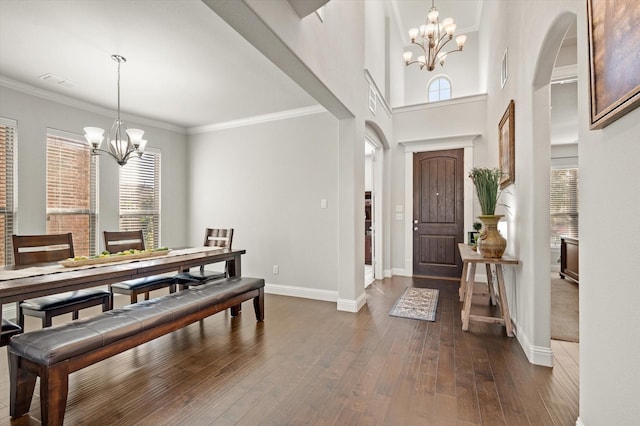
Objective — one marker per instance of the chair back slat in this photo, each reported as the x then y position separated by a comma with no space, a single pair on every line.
117,241
30,249
218,237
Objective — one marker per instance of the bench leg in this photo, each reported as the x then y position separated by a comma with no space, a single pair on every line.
22,384
54,387
258,305
235,310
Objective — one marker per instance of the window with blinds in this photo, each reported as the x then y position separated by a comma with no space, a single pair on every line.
71,191
140,197
564,204
7,177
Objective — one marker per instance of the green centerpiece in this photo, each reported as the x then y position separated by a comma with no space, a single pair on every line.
490,243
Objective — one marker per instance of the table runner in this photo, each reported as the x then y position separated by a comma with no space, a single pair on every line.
55,268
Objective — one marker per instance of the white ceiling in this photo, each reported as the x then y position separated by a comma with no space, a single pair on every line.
185,66
413,13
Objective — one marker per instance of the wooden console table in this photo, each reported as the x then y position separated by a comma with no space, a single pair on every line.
470,258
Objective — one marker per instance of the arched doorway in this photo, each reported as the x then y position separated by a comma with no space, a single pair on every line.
540,177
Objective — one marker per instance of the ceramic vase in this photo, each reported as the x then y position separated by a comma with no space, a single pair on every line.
491,244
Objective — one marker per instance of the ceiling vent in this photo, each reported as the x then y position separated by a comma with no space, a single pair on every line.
56,80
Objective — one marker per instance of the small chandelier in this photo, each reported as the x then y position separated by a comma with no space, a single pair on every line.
434,36
122,142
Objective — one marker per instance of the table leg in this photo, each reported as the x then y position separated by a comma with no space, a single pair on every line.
492,292
234,267
504,305
466,308
463,281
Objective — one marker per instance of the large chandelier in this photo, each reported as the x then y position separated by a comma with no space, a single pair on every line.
122,142
434,35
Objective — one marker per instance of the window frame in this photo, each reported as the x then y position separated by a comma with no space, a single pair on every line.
436,79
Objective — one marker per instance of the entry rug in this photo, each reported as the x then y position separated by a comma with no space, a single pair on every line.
417,303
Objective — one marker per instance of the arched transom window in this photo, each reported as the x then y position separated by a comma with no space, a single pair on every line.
439,89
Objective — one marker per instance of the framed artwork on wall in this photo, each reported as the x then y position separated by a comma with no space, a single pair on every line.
506,146
614,36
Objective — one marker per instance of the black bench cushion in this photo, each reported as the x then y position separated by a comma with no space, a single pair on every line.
51,345
9,327
198,277
144,282
63,299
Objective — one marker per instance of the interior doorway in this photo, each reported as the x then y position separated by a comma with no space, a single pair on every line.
370,257
563,196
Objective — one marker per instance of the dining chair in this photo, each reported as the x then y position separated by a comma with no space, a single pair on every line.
117,241
8,329
213,237
34,249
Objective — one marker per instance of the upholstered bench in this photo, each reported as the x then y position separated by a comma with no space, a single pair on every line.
53,353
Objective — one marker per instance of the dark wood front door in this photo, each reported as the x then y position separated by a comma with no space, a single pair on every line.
438,212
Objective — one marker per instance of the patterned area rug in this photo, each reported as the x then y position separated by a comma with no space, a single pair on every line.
417,303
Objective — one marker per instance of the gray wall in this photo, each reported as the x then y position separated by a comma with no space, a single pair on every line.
267,181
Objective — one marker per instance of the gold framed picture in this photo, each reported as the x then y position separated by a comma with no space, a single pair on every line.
506,151
614,83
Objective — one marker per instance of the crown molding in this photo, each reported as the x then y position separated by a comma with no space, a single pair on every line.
250,121
85,106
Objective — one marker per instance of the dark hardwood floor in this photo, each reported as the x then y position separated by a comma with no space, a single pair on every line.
309,364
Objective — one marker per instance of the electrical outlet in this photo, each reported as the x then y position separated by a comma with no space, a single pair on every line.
276,270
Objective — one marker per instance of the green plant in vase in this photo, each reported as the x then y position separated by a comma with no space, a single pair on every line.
487,182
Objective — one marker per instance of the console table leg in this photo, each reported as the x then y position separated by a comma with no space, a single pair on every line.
466,308
492,291
504,305
463,281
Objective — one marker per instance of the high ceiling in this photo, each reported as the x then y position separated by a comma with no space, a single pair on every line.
413,13
185,66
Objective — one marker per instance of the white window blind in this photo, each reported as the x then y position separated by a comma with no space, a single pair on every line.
140,197
71,191
7,177
563,204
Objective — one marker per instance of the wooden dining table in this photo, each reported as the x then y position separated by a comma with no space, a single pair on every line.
21,283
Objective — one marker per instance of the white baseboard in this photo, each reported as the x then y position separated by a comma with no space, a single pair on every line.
401,272
387,273
537,355
579,422
349,305
303,292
